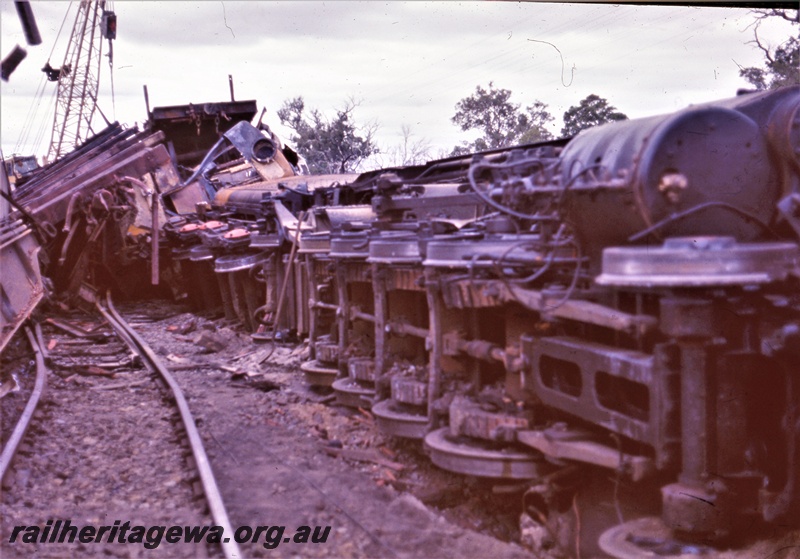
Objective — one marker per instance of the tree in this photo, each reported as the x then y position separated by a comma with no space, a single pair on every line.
538,116
501,121
782,64
409,151
591,111
328,145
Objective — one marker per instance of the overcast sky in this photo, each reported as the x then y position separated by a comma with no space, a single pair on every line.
406,62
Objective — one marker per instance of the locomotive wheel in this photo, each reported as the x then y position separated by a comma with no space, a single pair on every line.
398,424
351,394
646,538
317,374
478,458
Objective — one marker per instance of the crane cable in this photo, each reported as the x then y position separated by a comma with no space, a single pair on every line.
30,117
46,123
111,75
111,70
59,32
33,111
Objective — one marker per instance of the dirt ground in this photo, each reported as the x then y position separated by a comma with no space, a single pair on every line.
285,458
275,445
274,437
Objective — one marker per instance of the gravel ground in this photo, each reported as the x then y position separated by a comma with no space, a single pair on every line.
17,379
95,456
270,440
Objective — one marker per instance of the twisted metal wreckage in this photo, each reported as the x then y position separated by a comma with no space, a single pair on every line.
622,304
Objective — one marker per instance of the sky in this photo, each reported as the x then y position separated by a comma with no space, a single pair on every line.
405,63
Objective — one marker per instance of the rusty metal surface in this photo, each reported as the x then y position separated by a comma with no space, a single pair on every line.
103,198
472,419
361,369
681,141
580,448
472,459
513,307
411,391
192,129
317,374
21,285
699,262
352,394
567,374
398,422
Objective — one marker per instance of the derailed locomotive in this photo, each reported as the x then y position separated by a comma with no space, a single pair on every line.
622,305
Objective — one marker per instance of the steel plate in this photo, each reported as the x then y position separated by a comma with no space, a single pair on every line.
181,253
348,215
395,247
401,250
353,245
237,262
698,262
200,253
477,459
399,424
314,242
461,253
265,241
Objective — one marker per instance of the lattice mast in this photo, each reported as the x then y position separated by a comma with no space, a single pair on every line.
78,81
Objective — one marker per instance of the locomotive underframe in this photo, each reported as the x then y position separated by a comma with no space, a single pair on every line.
610,306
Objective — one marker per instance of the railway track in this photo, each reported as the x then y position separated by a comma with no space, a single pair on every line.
113,423
101,448
11,443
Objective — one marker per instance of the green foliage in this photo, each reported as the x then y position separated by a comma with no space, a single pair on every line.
781,64
464,149
538,117
591,111
500,120
328,145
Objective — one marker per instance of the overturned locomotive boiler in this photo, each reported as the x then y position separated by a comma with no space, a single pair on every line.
656,334
620,305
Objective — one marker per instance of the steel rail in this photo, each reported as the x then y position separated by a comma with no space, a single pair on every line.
21,427
213,496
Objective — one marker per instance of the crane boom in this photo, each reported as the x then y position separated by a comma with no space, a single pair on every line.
78,81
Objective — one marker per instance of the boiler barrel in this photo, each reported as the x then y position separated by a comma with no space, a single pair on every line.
715,169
